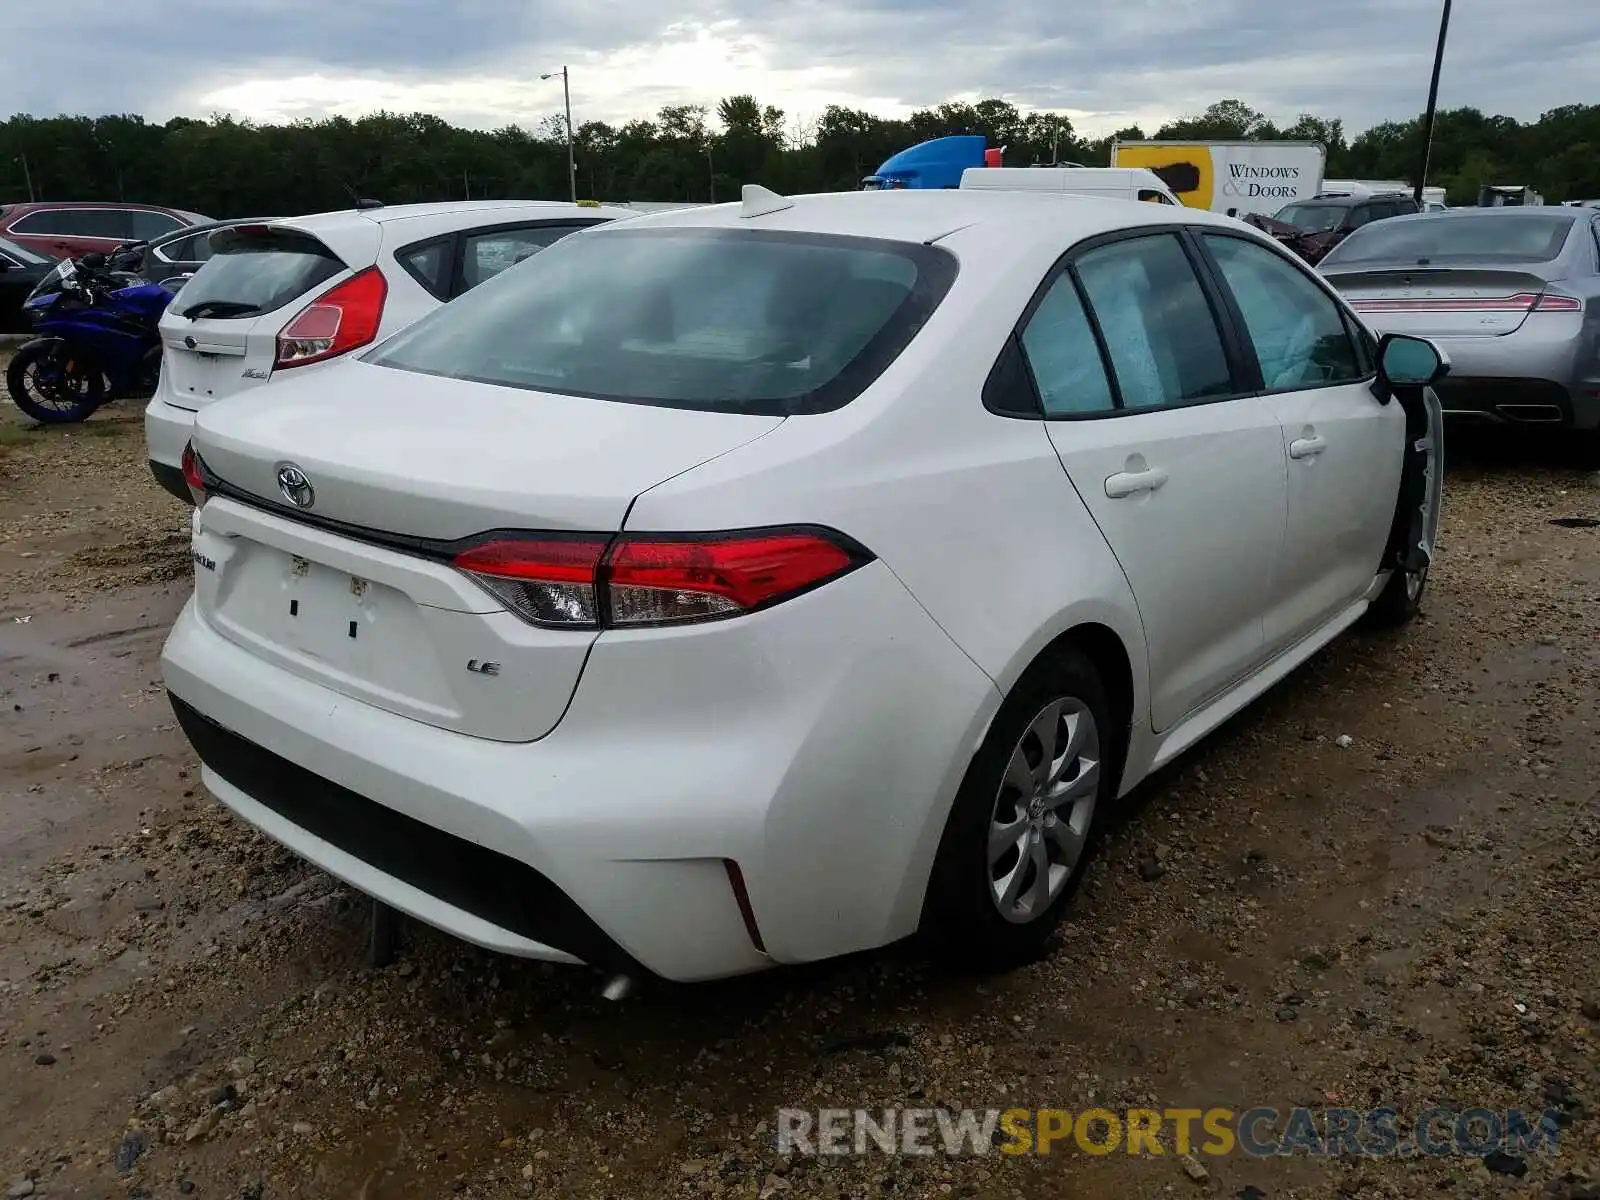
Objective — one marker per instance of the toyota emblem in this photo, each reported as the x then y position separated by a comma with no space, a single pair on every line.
294,485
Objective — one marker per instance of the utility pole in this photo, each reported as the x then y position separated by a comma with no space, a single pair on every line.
26,175
566,94
1433,103
711,173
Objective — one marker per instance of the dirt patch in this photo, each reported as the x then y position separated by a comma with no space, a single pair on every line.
1378,886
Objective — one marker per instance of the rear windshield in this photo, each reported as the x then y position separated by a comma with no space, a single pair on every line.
255,271
1312,218
729,320
1480,237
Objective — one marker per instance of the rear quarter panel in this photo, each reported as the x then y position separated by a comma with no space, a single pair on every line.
971,511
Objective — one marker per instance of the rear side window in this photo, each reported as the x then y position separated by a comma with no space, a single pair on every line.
729,320
429,264
1492,235
1159,329
147,225
485,255
255,270
75,222
1062,354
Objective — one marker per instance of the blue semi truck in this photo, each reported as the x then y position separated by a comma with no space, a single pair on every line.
933,164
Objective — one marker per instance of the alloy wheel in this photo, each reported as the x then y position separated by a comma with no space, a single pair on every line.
1040,823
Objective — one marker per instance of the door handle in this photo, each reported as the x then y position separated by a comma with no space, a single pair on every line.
1131,483
1307,447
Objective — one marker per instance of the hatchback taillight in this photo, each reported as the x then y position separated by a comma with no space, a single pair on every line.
593,582
194,475
344,318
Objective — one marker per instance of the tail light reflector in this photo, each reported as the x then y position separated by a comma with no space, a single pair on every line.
593,582
344,318
194,475
544,580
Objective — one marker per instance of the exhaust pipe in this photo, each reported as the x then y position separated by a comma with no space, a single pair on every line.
618,987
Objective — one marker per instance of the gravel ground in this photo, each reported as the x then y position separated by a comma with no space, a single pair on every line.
1378,886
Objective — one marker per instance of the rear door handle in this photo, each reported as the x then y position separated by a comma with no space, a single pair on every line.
1131,483
1307,447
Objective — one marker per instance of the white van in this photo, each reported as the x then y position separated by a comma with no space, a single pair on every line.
1120,183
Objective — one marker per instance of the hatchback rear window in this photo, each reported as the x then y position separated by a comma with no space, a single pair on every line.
729,320
256,270
1489,236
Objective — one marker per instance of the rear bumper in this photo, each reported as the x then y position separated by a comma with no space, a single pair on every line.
171,479
167,429
817,745
1538,376
1530,402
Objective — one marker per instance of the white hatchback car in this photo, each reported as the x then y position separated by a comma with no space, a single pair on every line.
309,290
759,583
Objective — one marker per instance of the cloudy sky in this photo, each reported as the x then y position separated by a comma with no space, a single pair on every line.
477,62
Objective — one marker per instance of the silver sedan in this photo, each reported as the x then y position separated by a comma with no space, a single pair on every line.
1511,294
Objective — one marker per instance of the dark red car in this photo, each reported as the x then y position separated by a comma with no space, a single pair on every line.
63,228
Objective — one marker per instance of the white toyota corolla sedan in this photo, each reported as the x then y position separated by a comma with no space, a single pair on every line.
752,584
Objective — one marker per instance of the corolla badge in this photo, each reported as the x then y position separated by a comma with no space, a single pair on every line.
294,485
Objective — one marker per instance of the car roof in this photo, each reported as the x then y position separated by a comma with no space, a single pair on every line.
447,208
910,215
22,206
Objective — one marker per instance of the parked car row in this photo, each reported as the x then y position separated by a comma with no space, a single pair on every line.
900,533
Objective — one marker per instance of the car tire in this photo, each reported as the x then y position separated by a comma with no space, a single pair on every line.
1401,598
985,909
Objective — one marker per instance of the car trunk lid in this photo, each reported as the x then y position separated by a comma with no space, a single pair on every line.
1442,301
356,592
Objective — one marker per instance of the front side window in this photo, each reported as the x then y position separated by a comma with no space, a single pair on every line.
728,320
1161,335
1296,328
1062,354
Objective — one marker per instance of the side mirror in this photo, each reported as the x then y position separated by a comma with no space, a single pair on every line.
1405,361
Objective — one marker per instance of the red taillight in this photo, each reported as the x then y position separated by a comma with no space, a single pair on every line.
340,320
590,582
652,581
193,475
1550,302
1522,302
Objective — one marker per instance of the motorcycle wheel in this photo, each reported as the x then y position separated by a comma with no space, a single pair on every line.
51,387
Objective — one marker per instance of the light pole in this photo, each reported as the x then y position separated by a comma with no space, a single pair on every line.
711,172
566,94
1433,103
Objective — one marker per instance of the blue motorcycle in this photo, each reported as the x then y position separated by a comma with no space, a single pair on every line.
97,341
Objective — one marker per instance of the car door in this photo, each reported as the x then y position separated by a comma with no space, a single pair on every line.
1344,450
1183,475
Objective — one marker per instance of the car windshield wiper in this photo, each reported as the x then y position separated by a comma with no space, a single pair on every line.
220,308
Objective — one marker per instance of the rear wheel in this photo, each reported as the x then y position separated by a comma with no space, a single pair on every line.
1018,838
51,386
